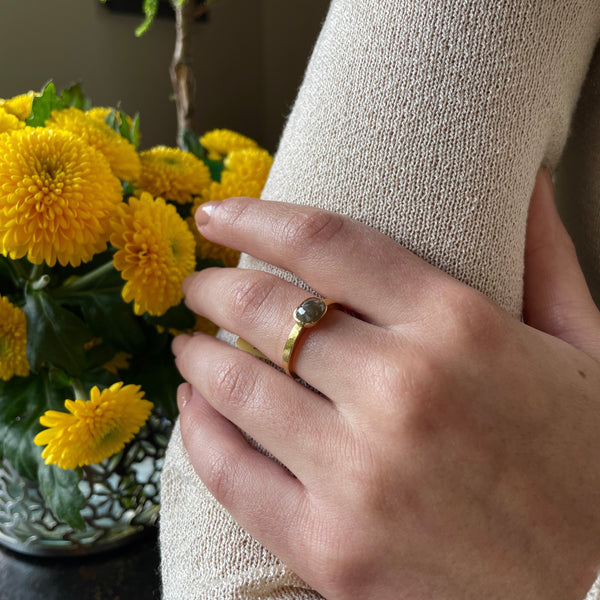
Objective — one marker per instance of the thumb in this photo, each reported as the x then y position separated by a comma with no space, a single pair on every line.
556,297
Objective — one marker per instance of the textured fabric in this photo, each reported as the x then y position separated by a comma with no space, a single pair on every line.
594,593
427,119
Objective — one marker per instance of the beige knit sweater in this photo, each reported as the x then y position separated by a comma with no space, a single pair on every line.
427,119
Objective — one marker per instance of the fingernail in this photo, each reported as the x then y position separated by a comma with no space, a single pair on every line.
204,213
184,394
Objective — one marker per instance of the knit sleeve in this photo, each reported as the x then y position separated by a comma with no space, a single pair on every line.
427,119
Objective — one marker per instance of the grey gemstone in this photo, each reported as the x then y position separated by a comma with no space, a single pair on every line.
310,311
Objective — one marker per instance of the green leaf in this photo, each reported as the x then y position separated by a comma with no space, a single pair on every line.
157,374
128,127
112,120
22,401
136,134
191,143
150,10
74,96
113,320
216,168
55,335
60,490
130,132
108,316
43,105
128,189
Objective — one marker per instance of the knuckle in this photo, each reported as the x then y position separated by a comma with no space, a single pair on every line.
233,381
310,230
410,380
219,475
413,395
249,297
466,321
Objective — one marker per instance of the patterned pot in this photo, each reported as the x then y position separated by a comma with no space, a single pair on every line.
122,500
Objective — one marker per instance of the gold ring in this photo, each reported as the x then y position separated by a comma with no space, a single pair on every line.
306,315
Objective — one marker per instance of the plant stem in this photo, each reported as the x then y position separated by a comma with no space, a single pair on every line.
90,277
182,76
36,272
80,392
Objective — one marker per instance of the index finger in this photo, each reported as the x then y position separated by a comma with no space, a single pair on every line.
340,258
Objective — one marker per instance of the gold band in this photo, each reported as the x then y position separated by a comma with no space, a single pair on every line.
306,315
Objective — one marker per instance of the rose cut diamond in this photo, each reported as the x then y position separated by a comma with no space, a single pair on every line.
310,311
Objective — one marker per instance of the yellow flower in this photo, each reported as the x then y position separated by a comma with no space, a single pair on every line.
9,122
120,153
245,174
13,339
98,112
93,429
173,174
220,142
19,106
57,196
155,253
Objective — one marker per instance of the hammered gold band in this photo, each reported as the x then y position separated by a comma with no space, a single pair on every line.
306,315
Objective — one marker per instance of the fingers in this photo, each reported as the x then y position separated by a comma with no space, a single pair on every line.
259,307
556,297
286,418
256,490
341,258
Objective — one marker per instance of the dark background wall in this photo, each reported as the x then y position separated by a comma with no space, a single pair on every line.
249,58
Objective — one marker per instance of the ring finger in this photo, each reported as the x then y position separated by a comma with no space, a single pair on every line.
259,307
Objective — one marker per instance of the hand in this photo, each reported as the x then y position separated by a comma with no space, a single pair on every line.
453,452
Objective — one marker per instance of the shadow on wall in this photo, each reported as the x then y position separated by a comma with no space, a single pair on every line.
249,58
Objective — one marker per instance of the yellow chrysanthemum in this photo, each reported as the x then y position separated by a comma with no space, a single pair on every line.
9,122
19,106
99,113
173,174
57,197
207,249
220,142
155,253
13,340
120,153
245,174
93,429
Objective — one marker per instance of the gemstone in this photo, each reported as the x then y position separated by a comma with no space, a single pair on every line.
310,311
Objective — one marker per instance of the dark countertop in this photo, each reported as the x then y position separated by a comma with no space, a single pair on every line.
128,573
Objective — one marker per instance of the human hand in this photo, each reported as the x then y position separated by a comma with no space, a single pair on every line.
454,452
